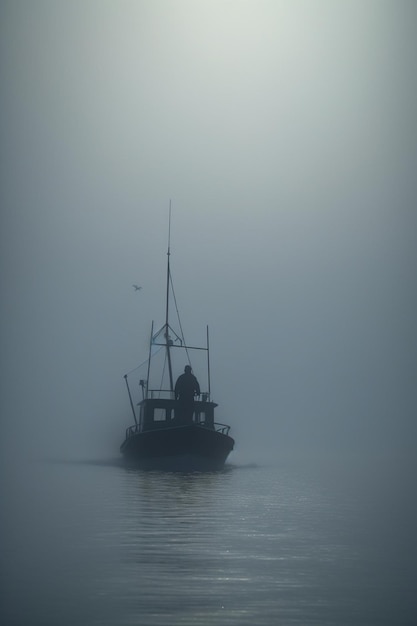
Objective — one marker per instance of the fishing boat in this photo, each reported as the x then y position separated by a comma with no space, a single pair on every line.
168,433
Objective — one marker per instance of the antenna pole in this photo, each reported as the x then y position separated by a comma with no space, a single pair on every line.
167,339
149,360
131,401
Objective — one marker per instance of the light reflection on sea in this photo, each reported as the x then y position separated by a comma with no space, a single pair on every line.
92,544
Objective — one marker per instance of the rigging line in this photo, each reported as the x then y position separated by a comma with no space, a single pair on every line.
144,362
162,376
179,319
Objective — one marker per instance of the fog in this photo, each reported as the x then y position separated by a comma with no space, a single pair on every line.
284,134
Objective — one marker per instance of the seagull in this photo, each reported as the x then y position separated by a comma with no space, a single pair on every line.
136,287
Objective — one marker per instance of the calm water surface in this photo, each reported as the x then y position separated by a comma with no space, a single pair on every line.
99,544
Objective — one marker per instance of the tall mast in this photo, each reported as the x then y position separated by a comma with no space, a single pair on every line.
208,362
167,339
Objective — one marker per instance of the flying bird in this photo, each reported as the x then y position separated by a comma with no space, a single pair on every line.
136,287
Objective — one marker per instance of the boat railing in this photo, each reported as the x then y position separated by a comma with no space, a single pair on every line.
132,430
161,394
167,394
220,428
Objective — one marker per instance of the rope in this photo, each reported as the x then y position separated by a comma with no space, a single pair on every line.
162,377
162,347
144,362
179,319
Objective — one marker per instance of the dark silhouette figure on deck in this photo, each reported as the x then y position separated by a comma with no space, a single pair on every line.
186,388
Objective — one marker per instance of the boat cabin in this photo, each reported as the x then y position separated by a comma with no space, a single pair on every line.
156,413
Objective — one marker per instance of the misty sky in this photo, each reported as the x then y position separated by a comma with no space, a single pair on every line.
285,134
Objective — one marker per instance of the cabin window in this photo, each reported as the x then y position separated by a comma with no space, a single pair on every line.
200,417
159,415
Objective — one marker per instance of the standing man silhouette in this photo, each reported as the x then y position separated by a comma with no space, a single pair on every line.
186,387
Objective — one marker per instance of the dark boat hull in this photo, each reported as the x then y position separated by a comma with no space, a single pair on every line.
182,448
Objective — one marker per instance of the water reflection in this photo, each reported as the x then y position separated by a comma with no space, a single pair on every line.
102,544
